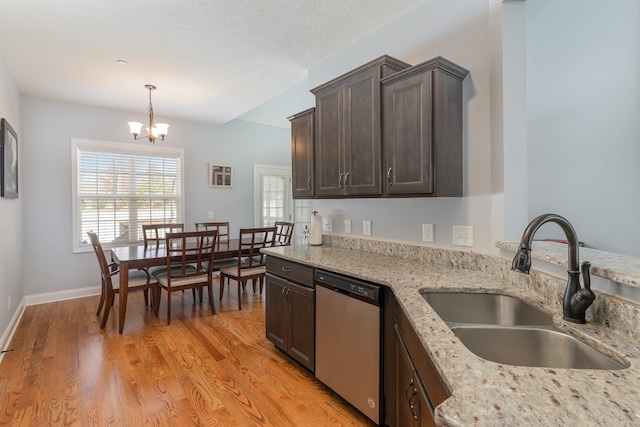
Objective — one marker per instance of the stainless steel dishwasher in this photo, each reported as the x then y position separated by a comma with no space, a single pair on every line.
348,336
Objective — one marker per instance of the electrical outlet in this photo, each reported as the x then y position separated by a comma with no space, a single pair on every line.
210,214
366,227
327,225
428,233
347,226
9,303
463,235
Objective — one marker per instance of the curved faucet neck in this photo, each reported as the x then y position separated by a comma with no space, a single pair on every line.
570,233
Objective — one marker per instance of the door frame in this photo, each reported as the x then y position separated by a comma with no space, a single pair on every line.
258,171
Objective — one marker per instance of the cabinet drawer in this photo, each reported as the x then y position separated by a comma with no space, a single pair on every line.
435,389
290,270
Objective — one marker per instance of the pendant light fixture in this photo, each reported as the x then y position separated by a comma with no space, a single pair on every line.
155,129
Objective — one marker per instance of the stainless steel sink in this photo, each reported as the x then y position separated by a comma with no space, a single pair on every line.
533,347
505,329
486,309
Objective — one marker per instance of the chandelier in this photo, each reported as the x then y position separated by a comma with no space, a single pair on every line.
155,129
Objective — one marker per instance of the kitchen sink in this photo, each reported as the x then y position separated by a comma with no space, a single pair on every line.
486,309
508,330
533,347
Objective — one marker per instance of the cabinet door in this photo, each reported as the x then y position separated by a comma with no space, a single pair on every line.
362,152
329,139
406,388
424,409
301,307
276,311
408,135
302,137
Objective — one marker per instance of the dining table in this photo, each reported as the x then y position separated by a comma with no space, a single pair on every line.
140,257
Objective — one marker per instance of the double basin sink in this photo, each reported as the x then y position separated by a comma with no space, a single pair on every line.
506,329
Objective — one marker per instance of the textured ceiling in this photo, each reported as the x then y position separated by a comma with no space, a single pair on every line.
212,60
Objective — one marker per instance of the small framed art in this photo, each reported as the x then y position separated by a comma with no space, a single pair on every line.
8,161
220,175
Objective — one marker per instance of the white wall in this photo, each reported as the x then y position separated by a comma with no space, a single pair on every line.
461,31
46,180
583,92
11,210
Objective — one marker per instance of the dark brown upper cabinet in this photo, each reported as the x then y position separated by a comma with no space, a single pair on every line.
302,146
423,130
348,155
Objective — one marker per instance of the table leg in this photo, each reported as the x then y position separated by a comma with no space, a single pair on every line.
124,290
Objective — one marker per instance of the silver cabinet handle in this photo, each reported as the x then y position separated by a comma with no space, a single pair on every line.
389,181
309,183
346,180
407,389
340,180
286,270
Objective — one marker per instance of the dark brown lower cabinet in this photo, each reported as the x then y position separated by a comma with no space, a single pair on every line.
412,404
413,387
290,319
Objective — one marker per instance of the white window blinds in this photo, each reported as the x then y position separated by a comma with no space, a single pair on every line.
118,187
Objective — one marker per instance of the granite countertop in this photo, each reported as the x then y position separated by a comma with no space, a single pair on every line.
619,268
485,393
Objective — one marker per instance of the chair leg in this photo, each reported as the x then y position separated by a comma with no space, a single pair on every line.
253,283
107,309
239,296
168,307
201,293
261,284
211,302
221,286
102,298
156,293
146,291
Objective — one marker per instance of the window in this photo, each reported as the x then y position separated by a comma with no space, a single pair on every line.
117,187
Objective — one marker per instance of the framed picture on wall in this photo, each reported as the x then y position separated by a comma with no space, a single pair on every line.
220,175
8,161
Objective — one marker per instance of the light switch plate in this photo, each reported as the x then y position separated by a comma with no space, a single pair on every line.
327,225
366,227
463,235
428,233
347,226
210,215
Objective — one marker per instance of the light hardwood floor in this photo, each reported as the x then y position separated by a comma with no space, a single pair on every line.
203,370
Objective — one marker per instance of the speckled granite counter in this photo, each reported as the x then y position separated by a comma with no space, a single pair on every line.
618,268
485,393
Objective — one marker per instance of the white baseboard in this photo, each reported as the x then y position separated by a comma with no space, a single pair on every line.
41,299
61,295
11,329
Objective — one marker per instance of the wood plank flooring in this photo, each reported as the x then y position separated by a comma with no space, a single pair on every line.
203,370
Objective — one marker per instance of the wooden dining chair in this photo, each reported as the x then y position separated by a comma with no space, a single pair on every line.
251,263
155,233
222,227
284,232
223,237
138,280
187,252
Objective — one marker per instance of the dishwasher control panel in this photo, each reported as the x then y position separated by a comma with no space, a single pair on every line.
354,287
